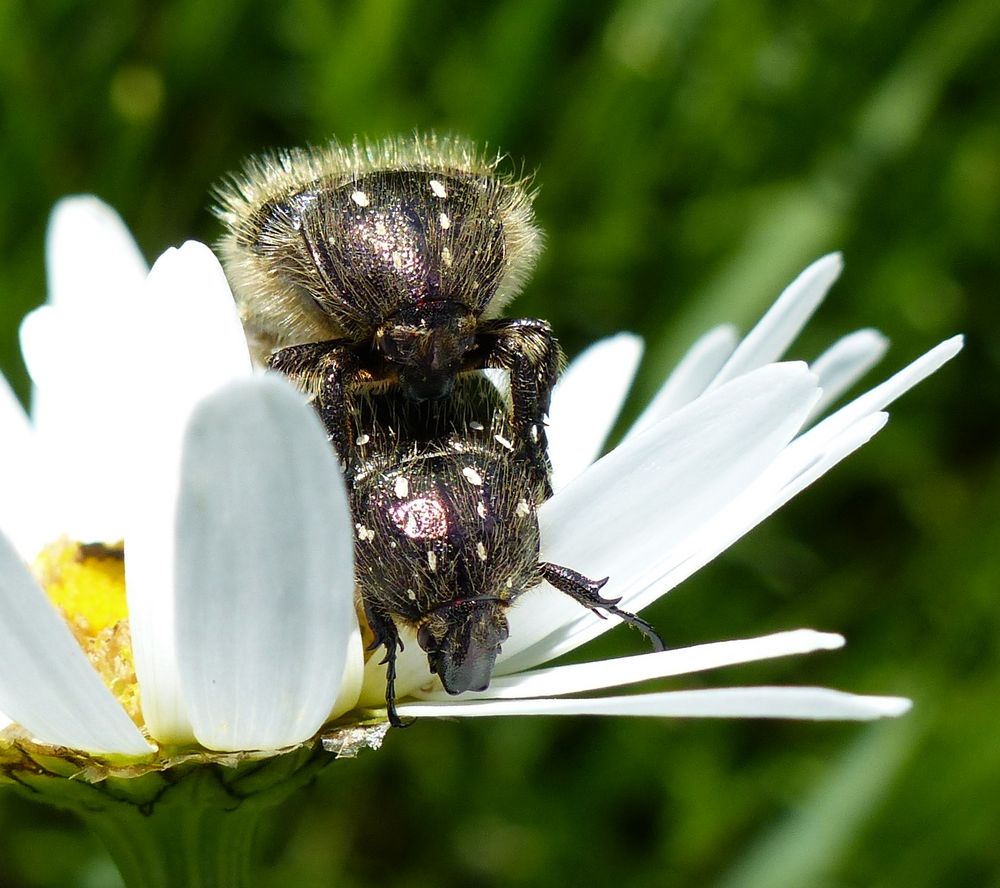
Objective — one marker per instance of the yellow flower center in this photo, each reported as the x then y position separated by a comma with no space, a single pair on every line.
86,582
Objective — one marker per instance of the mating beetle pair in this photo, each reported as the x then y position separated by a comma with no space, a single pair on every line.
372,277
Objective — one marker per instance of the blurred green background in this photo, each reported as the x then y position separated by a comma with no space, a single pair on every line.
692,156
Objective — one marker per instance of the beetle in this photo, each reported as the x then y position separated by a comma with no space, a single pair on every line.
389,262
447,535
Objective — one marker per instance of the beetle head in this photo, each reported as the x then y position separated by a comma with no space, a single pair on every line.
462,641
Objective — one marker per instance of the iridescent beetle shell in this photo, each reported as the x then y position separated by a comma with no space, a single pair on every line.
447,534
389,262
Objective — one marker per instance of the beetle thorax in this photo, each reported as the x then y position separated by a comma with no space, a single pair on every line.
427,345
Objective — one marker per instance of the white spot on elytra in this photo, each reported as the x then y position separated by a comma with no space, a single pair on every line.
411,595
446,257
510,582
360,198
402,487
438,189
533,432
472,476
481,551
481,509
432,560
476,426
445,221
397,260
380,228
365,534
503,442
523,509
362,439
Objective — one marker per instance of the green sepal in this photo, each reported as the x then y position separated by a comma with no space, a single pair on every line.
183,820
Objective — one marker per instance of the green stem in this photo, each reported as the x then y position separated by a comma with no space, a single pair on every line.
194,835
190,826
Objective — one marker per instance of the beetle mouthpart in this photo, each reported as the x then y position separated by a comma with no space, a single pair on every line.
464,657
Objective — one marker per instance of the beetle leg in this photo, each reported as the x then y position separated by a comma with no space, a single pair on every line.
587,592
526,348
326,370
387,636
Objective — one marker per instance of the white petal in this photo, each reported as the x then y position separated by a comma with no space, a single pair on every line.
46,683
802,462
189,306
74,352
353,676
89,363
13,420
265,589
784,320
186,300
820,704
80,361
788,476
699,366
586,402
22,513
791,473
76,346
582,677
845,362
90,256
632,509
884,394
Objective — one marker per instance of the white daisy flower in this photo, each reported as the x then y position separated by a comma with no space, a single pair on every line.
149,426
730,437
220,483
